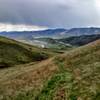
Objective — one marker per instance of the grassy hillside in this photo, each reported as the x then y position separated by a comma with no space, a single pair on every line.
74,75
80,40
13,52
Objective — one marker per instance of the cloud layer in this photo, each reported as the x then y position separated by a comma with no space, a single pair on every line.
51,13
21,27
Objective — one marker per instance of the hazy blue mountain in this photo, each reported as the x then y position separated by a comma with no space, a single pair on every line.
82,31
28,35
54,33
74,36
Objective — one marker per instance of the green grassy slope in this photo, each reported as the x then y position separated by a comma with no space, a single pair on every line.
78,77
74,75
84,66
13,52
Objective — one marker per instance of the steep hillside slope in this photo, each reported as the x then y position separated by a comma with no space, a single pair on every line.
83,64
13,52
74,75
80,40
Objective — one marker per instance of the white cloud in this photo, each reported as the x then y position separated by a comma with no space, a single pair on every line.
22,27
97,5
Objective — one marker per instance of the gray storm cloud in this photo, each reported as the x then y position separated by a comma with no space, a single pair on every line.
50,13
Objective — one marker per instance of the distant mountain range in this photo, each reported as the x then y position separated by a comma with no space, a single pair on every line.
82,31
54,33
33,34
56,38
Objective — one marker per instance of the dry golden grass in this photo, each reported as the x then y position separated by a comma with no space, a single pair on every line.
31,77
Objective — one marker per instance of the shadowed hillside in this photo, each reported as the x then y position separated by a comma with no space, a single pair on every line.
13,52
74,75
80,40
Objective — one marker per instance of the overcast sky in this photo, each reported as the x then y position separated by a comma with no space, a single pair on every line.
50,13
